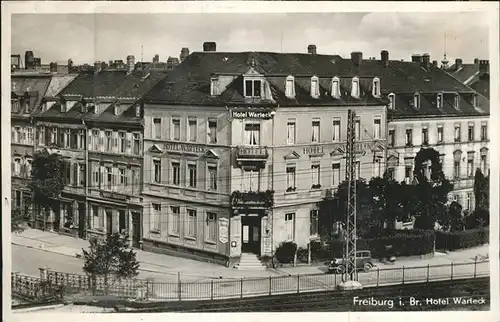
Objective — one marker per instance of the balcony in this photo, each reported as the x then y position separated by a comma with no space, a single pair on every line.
252,199
251,153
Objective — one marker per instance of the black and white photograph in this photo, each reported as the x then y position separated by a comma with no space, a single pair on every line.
219,159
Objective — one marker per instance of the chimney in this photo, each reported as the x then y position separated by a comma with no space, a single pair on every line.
70,64
311,49
476,61
356,57
435,63
484,67
416,58
53,67
384,57
458,64
426,60
209,46
130,64
184,54
156,58
29,60
97,66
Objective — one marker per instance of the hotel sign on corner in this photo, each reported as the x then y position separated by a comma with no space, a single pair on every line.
251,115
223,230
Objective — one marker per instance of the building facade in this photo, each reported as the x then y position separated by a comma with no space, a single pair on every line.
241,148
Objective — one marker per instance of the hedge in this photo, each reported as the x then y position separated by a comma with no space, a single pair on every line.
404,243
462,239
285,253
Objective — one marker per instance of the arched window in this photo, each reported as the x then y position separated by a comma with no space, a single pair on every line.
416,100
290,87
392,101
376,87
314,87
456,101
335,87
439,100
355,87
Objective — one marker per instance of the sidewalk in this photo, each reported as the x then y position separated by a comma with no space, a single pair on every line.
192,269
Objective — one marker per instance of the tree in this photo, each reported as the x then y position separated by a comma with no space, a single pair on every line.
481,190
431,189
17,221
110,257
47,178
452,219
388,202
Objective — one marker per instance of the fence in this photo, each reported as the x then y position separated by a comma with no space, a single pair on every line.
34,289
248,287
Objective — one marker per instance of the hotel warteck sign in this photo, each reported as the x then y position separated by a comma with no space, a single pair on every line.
251,115
183,147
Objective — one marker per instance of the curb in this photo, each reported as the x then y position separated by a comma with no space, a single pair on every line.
37,309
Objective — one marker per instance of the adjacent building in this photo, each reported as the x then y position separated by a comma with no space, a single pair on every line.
240,147
476,75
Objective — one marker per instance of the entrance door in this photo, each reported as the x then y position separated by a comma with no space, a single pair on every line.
109,222
136,229
121,221
250,233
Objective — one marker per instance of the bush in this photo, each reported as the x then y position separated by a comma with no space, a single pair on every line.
404,242
286,252
302,255
462,239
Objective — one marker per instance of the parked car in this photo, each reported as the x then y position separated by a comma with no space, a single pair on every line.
364,262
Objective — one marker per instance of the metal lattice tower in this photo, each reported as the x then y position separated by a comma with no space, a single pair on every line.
350,234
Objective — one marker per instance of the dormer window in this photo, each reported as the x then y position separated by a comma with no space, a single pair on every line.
137,111
314,87
456,101
475,102
355,87
439,100
290,87
335,87
376,87
416,100
63,107
27,106
392,101
15,106
214,86
116,108
253,88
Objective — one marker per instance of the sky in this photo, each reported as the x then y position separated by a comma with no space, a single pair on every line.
86,38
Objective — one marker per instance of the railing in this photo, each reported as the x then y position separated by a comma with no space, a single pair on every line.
273,285
33,288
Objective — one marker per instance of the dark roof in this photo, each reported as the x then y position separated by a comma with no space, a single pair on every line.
116,83
189,83
466,72
32,85
482,85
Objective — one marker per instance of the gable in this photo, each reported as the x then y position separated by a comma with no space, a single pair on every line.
338,152
252,72
155,149
210,154
292,156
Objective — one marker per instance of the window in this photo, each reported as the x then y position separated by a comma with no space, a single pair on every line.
95,140
137,144
176,127
416,101
475,101
377,128
73,139
28,165
212,131
470,164
123,177
409,137
83,174
357,128
15,106
17,136
97,219
157,128
251,180
108,141
336,174
135,180
290,227
355,87
122,142
456,164
335,87
290,132
95,182
440,134
457,133
192,130
314,87
252,133
425,136
483,161
29,138
377,169
175,226
392,137
315,131
192,175
290,178
155,218
470,132
315,176
211,227
390,173
82,140
212,177
290,87
17,166
109,178
214,86
456,101
469,201
176,173
336,129
392,101
191,223
484,132
376,87
313,222
252,88
439,100
408,173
